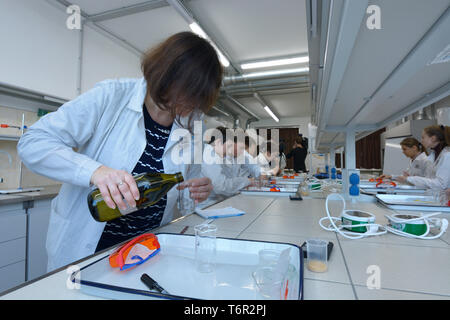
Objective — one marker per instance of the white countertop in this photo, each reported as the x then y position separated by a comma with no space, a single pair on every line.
409,268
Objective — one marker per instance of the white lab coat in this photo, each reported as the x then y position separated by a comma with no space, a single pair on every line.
282,161
224,174
421,166
439,177
106,126
250,168
265,167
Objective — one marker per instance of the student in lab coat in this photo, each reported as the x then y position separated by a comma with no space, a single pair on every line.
437,139
250,167
282,156
221,168
420,165
118,128
268,159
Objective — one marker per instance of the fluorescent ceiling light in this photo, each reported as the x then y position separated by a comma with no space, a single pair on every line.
275,73
271,114
199,31
273,63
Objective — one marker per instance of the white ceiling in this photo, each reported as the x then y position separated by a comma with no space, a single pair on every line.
92,7
246,29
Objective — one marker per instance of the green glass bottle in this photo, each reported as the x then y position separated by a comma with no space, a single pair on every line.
152,187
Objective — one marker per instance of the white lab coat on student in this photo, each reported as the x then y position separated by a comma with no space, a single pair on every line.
421,166
224,174
106,126
264,165
250,168
439,177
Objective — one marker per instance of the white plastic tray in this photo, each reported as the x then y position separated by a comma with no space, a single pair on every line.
286,182
411,202
173,268
373,185
265,191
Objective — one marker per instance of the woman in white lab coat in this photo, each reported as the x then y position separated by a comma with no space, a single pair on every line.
419,165
437,139
219,164
101,137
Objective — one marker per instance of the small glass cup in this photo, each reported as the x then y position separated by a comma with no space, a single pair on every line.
186,204
317,255
270,282
205,247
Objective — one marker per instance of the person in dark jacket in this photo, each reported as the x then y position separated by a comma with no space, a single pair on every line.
299,153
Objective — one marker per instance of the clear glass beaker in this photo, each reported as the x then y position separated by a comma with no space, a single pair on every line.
205,247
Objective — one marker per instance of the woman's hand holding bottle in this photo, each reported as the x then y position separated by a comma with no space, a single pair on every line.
115,186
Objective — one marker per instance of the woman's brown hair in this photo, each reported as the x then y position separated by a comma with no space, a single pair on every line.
412,142
442,133
183,72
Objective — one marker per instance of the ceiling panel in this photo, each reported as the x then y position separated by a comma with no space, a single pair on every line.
254,106
378,52
254,29
427,80
148,28
97,6
290,105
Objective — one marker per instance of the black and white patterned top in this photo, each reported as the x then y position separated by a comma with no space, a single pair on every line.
141,221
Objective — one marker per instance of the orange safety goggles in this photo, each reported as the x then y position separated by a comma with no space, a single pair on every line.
135,252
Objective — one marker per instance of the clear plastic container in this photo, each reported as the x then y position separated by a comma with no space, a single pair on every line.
317,252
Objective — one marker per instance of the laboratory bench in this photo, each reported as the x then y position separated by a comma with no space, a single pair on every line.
45,192
407,269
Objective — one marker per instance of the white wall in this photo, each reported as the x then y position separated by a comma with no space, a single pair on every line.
37,51
104,59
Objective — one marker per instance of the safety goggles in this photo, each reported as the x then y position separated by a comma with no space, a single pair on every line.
135,252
